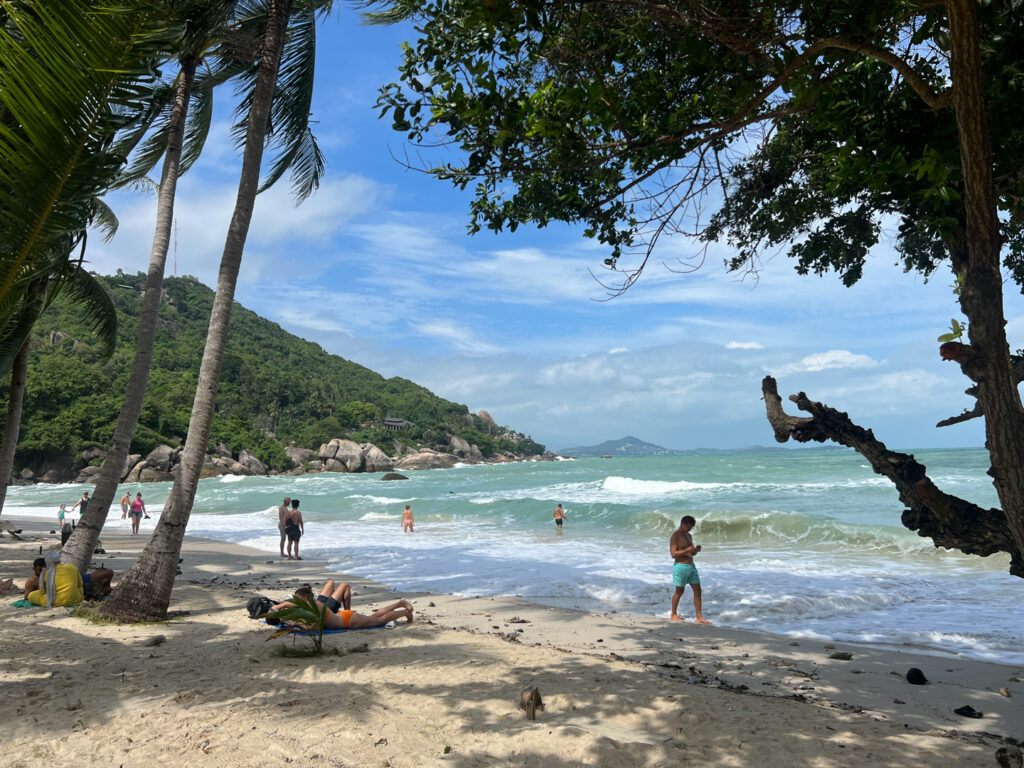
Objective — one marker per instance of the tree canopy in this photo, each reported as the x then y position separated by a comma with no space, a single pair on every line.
811,127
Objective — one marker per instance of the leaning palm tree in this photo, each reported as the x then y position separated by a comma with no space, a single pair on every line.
280,97
74,76
78,286
178,140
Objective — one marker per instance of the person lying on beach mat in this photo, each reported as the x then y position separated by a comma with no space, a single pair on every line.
338,600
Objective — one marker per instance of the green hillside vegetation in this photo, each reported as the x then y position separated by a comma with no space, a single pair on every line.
275,387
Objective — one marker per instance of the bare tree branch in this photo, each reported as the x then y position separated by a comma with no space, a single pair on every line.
947,520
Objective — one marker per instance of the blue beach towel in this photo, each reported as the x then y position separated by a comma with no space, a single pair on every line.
306,632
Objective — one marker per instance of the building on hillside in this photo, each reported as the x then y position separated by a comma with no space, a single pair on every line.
396,424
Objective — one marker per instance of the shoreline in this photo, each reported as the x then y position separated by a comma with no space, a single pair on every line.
619,689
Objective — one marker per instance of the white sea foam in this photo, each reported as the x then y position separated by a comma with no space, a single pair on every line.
379,499
232,478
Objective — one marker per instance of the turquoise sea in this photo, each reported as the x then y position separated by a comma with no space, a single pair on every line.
804,543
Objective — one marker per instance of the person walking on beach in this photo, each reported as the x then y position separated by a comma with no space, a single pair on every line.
60,516
137,511
407,520
82,504
560,516
282,513
294,529
684,572
126,501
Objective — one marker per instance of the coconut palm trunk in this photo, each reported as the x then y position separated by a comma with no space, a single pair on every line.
145,591
19,376
79,548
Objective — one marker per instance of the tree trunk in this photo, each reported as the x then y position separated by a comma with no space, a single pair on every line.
145,592
987,360
79,548
16,397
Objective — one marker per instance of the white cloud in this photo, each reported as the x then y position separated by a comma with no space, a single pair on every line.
462,338
824,361
744,345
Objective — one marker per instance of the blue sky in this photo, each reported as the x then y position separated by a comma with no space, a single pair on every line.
377,267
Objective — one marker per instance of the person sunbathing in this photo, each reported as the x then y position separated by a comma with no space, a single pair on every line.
337,598
6,585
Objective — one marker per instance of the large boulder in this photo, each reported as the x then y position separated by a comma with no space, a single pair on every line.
375,460
394,476
351,455
248,460
464,451
223,451
238,468
129,461
92,453
427,460
53,476
161,458
300,456
27,474
333,465
212,467
150,474
135,471
328,450
88,474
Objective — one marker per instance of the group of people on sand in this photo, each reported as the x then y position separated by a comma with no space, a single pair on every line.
136,509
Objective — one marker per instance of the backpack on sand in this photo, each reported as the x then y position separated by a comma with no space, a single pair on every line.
258,606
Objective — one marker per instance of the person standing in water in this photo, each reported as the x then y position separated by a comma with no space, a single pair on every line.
294,529
560,516
684,572
282,514
407,526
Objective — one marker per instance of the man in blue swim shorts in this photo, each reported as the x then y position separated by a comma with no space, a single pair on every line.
684,572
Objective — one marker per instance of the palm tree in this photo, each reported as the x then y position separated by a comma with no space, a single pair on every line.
73,77
205,23
80,287
280,97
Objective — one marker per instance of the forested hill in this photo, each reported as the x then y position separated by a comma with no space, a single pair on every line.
275,387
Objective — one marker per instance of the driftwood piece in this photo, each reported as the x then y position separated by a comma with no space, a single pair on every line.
947,520
530,702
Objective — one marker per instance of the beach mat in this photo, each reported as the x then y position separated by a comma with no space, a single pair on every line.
308,633
23,603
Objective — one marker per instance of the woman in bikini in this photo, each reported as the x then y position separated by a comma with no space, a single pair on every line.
338,600
407,520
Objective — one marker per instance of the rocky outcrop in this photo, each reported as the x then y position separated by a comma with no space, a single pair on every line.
338,455
427,460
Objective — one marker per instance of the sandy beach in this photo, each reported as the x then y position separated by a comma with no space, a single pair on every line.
618,690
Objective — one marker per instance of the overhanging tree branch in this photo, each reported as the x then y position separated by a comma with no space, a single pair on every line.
947,520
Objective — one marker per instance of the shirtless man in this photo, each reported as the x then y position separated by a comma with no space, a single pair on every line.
282,513
684,572
338,600
126,501
559,517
